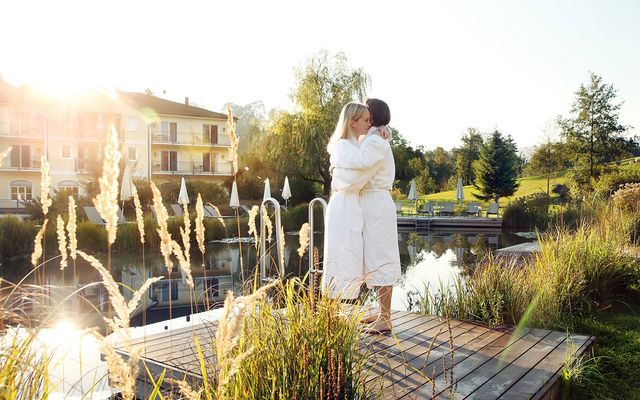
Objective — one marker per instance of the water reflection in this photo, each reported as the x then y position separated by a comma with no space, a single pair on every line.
427,259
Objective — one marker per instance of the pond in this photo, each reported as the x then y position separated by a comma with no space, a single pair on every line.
427,259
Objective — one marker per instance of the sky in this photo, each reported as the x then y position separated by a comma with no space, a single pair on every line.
442,66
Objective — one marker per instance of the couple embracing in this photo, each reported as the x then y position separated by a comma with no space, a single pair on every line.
361,238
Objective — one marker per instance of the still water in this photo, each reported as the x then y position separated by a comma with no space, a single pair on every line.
427,259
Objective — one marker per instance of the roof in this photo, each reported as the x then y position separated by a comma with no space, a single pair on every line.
166,107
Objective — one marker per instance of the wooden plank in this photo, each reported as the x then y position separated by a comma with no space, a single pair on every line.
466,385
478,356
465,345
543,372
434,349
502,381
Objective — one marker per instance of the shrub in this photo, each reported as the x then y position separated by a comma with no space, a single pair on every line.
16,236
609,183
527,212
628,197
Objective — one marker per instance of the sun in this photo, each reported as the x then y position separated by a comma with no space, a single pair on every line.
58,80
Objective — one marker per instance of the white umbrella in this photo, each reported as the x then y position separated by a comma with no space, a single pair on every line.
267,189
127,182
413,194
234,202
286,190
459,191
183,197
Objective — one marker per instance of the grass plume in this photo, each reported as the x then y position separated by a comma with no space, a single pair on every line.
163,231
303,239
139,216
45,183
106,202
200,225
233,139
62,242
72,226
37,244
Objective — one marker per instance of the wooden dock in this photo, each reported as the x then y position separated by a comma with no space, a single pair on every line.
425,223
418,361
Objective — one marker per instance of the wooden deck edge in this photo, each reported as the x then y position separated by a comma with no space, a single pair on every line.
553,388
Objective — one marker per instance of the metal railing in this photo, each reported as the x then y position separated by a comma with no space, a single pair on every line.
189,138
192,168
264,261
312,269
22,165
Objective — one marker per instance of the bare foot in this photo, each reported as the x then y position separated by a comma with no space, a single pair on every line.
369,319
378,327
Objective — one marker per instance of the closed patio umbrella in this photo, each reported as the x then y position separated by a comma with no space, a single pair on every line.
234,201
267,189
413,194
126,192
183,197
459,190
286,190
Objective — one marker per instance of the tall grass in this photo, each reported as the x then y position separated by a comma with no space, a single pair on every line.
576,272
292,344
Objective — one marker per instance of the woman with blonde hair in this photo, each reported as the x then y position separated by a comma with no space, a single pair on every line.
343,241
370,168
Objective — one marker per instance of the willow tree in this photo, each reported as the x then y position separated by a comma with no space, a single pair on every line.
296,144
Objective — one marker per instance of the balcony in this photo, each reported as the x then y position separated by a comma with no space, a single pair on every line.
34,133
20,165
192,168
189,139
92,135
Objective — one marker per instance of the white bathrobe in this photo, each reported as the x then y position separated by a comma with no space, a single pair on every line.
343,240
373,163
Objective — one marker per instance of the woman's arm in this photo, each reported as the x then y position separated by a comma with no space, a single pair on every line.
352,179
371,151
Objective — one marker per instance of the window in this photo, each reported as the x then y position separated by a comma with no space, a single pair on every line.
210,134
66,151
169,131
20,122
132,123
71,188
131,153
206,162
20,156
21,190
168,161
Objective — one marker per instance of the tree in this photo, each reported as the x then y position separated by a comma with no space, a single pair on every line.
297,142
594,130
466,154
496,169
250,124
440,166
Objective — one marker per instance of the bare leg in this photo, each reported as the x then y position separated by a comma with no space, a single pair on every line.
382,323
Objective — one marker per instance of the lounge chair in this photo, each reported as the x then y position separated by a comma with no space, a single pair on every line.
447,209
492,209
398,208
427,209
94,216
473,209
177,210
210,212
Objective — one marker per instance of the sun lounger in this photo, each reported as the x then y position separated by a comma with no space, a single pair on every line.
210,212
473,209
244,208
94,216
493,209
177,210
427,209
447,209
398,208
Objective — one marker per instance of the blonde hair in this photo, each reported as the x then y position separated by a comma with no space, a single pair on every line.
350,112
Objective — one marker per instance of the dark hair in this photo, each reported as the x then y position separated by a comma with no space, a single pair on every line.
379,110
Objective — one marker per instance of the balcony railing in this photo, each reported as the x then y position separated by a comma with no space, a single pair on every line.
192,168
23,165
35,133
189,138
13,203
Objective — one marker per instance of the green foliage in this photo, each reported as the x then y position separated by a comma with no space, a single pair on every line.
304,343
549,157
593,130
467,154
527,212
16,237
562,192
296,144
496,173
611,182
